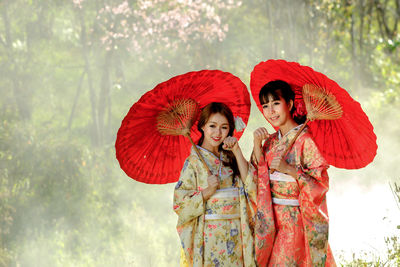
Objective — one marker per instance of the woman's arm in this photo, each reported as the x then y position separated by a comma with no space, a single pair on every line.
213,184
282,166
259,135
188,201
231,143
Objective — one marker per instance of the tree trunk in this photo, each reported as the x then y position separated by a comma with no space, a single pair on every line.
272,30
21,96
78,93
104,96
85,52
353,52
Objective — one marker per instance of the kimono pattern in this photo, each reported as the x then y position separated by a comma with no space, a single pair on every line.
264,229
299,236
219,231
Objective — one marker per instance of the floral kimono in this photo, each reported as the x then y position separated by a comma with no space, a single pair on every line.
216,232
299,234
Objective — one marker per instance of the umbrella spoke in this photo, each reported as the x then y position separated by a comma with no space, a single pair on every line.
150,157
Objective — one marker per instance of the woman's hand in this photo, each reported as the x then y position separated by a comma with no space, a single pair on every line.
213,184
259,135
280,165
231,143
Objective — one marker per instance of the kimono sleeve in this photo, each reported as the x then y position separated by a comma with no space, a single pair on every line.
313,182
188,200
264,232
250,188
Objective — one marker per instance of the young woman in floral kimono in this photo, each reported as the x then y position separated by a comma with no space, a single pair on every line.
215,212
295,194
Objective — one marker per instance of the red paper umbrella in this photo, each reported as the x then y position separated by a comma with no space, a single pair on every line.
348,142
149,156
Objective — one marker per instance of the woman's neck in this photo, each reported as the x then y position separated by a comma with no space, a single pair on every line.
212,149
289,125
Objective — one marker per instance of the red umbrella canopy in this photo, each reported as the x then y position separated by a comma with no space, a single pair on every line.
150,157
348,142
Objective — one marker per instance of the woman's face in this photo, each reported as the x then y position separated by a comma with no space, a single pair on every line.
215,131
277,112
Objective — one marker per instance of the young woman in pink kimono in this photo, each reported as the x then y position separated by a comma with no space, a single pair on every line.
215,213
292,219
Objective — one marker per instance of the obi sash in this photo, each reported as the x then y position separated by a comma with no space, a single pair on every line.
276,198
224,204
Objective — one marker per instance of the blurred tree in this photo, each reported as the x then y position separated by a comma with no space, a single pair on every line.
131,30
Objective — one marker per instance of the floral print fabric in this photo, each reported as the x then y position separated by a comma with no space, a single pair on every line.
215,242
299,234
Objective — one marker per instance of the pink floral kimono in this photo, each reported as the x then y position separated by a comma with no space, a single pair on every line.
216,232
292,220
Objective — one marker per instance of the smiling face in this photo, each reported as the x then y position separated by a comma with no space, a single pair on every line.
277,111
215,131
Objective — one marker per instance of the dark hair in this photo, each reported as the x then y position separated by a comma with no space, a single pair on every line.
276,90
206,112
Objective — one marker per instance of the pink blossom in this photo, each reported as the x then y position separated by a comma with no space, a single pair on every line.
78,3
170,23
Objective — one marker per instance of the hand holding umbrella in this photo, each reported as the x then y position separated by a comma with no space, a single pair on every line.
320,105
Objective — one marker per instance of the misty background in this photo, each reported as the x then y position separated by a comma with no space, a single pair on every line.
71,69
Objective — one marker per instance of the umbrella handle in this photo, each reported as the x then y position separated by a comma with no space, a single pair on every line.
187,134
292,142
200,156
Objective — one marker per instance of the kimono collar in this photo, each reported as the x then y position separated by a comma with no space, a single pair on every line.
293,130
208,152
210,158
